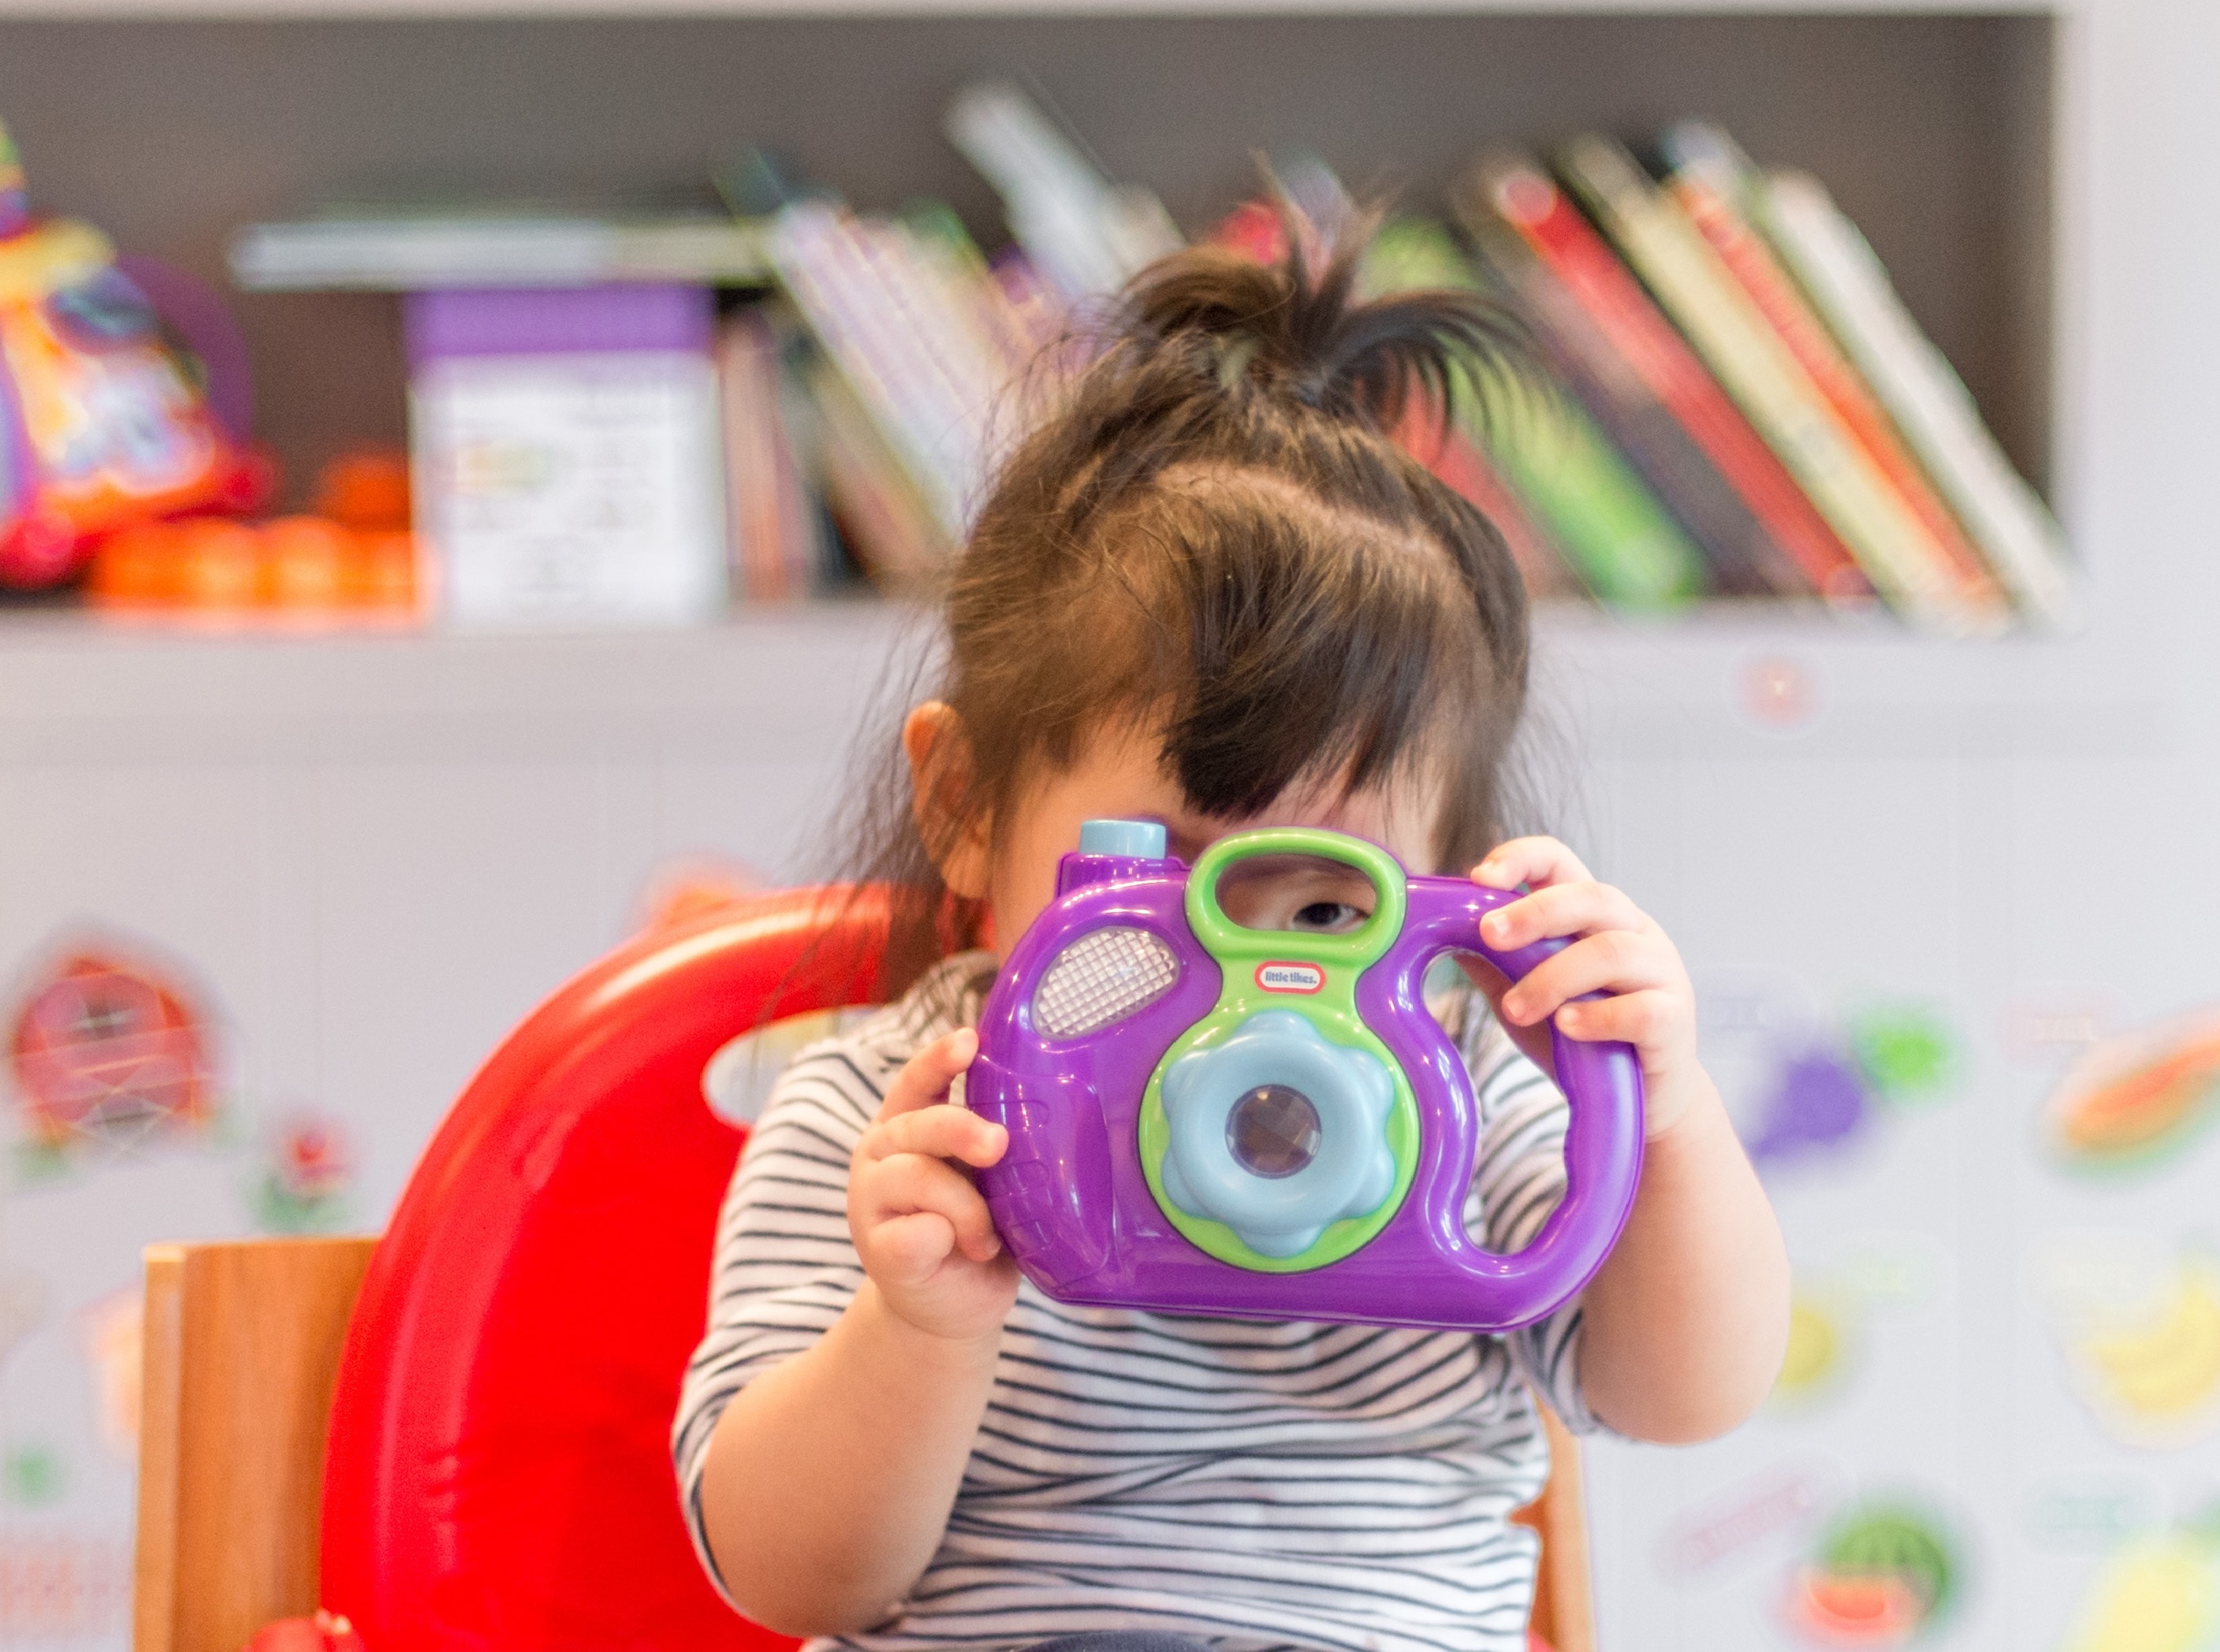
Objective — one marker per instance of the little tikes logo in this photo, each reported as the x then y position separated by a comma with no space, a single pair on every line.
1290,977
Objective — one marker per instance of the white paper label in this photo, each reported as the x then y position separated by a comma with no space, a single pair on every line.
572,489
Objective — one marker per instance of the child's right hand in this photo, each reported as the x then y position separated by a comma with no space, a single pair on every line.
920,1227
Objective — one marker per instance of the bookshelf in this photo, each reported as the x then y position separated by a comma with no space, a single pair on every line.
1934,128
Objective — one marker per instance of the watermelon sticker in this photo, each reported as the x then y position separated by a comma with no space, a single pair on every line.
1883,1573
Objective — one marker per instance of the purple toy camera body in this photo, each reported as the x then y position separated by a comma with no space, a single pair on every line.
1269,1124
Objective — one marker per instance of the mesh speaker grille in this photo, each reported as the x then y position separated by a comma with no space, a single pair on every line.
1102,977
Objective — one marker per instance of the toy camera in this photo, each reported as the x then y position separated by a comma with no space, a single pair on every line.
1208,1118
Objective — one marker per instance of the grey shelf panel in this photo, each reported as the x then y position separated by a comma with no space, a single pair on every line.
796,685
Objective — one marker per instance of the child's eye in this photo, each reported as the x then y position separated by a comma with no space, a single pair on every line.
1329,918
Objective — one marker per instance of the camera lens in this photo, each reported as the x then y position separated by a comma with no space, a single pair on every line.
1273,1131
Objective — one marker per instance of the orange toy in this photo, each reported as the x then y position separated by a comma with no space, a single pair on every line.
354,562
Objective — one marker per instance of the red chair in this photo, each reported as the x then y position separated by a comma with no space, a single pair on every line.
496,1473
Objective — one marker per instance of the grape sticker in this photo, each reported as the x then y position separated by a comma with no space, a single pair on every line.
1804,1085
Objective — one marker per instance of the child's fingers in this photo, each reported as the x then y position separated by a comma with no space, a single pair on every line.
1561,909
925,1078
1617,961
1644,1018
941,1130
909,1250
896,1188
1535,862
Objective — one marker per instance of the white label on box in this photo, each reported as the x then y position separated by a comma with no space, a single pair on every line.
572,490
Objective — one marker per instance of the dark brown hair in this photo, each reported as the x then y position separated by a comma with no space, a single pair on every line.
1215,527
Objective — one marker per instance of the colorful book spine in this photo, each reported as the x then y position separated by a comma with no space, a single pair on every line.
1746,560
892,529
1530,202
1922,394
1711,181
1453,457
1897,552
881,315
1611,531
770,513
1605,525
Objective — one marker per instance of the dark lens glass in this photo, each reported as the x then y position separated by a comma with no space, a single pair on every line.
1273,1131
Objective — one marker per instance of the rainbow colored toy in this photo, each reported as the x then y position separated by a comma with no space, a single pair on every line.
99,429
1206,1119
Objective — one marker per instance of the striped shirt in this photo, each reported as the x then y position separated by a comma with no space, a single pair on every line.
1252,1486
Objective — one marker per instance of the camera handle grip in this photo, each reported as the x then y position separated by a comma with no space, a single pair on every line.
1602,1084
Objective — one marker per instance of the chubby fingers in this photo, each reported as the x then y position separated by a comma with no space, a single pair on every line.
909,1212
926,1077
1619,962
1535,862
1578,908
938,1131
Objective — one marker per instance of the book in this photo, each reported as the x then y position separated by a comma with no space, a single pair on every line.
1086,236
1712,180
1745,559
1611,530
1528,201
1410,253
565,447
773,519
1596,512
1929,401
1898,553
403,250
912,351
898,541
1452,456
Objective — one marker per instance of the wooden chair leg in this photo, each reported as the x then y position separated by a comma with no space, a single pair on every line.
1564,1603
242,1345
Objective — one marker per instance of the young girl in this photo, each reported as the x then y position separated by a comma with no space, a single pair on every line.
1210,591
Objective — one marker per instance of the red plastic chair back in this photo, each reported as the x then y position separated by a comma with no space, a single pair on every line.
499,1473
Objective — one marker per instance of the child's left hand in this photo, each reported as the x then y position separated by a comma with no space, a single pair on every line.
1619,951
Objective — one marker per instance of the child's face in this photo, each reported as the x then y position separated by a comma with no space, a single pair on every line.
1118,775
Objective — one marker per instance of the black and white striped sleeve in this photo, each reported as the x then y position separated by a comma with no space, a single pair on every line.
785,1268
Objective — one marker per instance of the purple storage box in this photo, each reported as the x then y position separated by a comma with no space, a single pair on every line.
451,321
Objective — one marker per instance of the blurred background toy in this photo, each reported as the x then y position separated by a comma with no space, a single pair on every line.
101,427
351,561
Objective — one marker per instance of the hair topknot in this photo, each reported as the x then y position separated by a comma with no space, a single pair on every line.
1299,327
1213,534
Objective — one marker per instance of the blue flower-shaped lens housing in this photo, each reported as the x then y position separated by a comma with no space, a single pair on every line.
1277,1132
